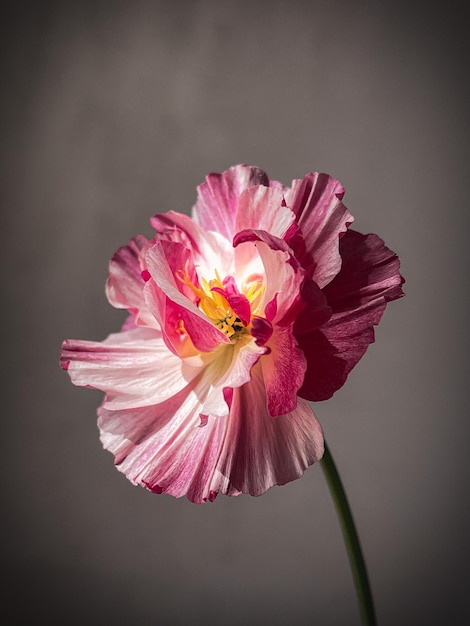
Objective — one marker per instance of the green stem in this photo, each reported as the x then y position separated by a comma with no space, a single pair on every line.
351,539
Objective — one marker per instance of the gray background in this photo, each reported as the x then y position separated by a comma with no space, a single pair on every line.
114,111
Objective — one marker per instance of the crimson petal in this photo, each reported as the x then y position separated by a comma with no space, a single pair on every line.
369,278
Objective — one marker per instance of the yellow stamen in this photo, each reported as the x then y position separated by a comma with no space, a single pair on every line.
215,305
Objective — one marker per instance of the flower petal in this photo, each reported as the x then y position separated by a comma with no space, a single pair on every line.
283,371
165,449
263,208
369,278
166,300
133,368
124,287
160,447
261,329
260,451
314,310
238,302
231,369
217,203
323,218
210,249
283,275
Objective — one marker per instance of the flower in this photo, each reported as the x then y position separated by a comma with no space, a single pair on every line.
238,317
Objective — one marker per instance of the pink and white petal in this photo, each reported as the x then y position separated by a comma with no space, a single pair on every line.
133,368
210,250
358,296
231,369
323,218
164,448
219,256
260,451
217,203
163,260
263,208
124,286
283,277
123,430
283,371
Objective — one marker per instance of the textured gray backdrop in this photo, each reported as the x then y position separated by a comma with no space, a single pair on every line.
114,111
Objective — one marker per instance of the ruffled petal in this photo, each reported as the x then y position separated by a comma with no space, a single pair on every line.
260,451
263,208
370,271
217,203
323,218
174,447
369,278
283,275
209,249
165,448
133,368
124,287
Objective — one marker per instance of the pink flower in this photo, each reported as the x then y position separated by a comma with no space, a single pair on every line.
262,301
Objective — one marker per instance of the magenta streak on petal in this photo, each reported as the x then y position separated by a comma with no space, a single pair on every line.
230,285
237,301
125,282
270,309
294,238
129,324
261,235
228,395
153,488
283,372
239,304
146,275
261,330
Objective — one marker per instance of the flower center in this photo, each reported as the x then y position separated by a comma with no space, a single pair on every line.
229,309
